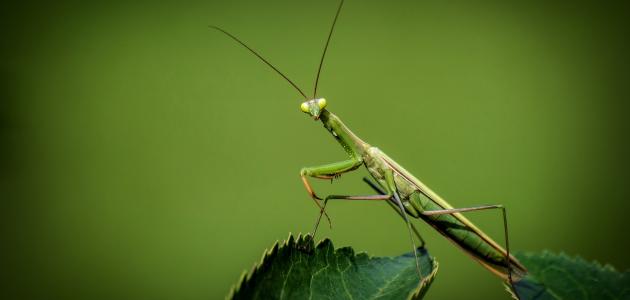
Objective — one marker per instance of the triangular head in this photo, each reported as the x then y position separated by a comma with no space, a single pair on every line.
313,107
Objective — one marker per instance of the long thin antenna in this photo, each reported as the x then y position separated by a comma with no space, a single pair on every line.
261,58
321,62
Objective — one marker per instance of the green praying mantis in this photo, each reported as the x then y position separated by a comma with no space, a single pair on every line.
392,183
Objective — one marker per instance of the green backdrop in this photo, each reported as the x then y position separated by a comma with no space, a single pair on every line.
145,156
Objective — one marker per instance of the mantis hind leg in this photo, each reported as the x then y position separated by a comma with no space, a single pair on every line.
508,261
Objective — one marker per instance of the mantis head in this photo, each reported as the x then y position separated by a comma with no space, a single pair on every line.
313,107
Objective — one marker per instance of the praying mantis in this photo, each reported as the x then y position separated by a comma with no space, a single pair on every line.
393,184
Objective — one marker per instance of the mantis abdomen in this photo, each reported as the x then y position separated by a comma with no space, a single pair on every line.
421,202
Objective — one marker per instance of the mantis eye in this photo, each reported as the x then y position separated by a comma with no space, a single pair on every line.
321,102
304,107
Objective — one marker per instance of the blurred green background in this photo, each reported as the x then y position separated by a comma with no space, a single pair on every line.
145,156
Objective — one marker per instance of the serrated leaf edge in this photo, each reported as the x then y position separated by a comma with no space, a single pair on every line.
418,293
246,276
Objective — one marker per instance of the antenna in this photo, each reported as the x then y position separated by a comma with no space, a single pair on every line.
264,60
321,62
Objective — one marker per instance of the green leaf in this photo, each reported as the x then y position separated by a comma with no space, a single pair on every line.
558,276
296,269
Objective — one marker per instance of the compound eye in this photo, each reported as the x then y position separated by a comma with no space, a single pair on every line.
321,103
304,107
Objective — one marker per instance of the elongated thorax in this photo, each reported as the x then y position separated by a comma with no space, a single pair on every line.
351,143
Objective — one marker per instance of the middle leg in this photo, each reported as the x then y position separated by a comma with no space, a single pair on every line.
391,204
344,197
